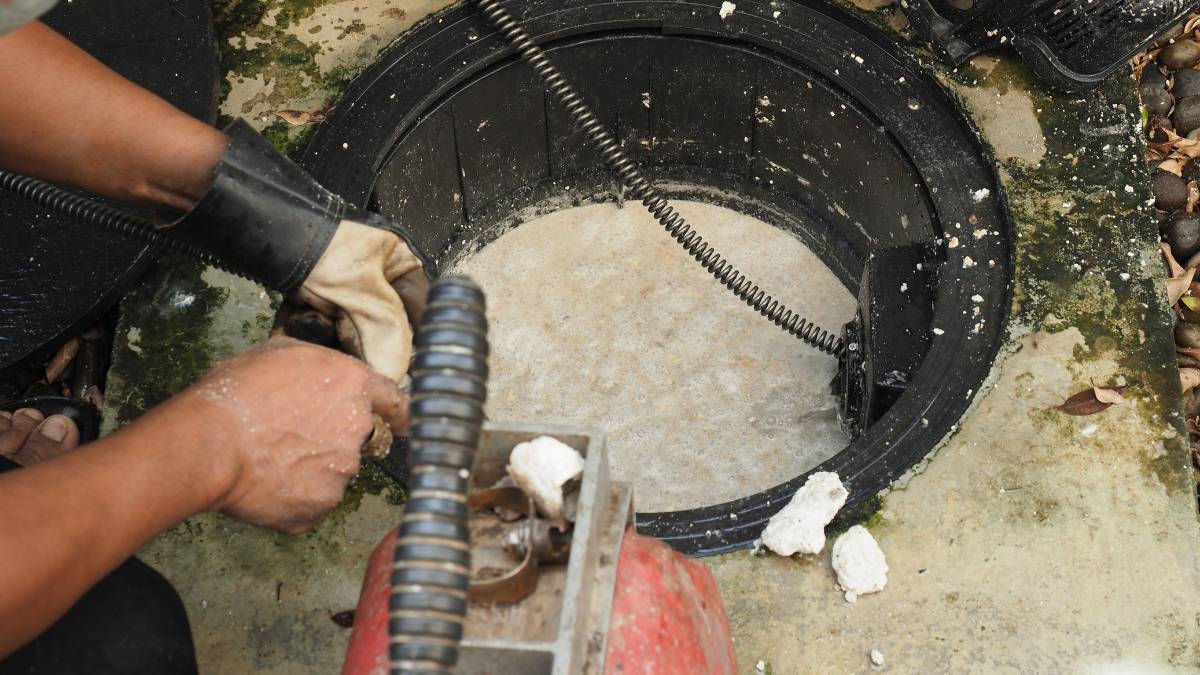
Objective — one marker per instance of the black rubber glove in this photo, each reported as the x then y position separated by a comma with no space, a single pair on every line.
265,217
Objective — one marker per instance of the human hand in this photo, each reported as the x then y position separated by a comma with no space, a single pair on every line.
292,418
372,282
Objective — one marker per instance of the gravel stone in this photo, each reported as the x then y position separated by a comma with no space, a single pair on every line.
1158,102
1187,83
1191,171
1187,334
1152,78
1182,54
1187,115
1183,233
1170,192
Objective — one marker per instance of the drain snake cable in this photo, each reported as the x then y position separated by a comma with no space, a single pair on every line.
641,188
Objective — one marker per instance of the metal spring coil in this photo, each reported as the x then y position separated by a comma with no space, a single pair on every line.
627,170
101,215
432,560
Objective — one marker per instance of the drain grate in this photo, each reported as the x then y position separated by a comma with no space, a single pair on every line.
1072,44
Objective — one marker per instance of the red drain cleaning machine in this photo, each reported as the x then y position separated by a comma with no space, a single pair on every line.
475,580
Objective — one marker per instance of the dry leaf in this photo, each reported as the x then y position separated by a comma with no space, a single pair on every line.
1189,378
62,359
1112,396
1174,166
1193,196
1174,269
299,117
1177,286
1087,402
1189,351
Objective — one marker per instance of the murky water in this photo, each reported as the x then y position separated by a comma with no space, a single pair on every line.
599,319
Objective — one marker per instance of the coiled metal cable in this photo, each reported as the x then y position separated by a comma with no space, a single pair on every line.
101,215
658,206
432,560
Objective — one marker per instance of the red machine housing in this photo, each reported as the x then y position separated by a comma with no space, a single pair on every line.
667,615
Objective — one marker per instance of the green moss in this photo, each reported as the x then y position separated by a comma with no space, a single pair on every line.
172,309
372,480
1086,244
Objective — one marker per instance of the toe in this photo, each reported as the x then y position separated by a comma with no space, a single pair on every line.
53,437
15,429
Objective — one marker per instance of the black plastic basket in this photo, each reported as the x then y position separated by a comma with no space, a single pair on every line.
1071,44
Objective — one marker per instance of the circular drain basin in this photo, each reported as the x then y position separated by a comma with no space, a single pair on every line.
796,114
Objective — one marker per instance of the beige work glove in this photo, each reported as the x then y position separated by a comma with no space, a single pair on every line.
373,286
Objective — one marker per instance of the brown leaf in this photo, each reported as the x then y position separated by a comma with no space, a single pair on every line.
1193,196
1178,285
299,117
1110,395
1173,165
1189,378
62,359
1087,402
1174,269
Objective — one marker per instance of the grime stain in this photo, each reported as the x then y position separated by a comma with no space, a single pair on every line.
1086,244
300,55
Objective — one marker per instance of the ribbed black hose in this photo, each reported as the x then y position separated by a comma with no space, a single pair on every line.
101,215
658,206
433,558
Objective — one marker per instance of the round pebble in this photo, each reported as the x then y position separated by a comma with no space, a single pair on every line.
1183,234
1191,405
1187,115
1170,191
1179,55
1152,78
1172,33
1158,101
1187,334
1191,171
1187,83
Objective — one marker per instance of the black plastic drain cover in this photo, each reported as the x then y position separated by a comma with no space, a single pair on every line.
453,135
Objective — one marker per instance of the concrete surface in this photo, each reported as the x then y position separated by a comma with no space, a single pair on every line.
1031,542
600,320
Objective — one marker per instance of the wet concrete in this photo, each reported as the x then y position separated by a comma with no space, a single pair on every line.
1031,542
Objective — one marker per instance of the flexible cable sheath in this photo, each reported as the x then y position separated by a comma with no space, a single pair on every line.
658,206
432,560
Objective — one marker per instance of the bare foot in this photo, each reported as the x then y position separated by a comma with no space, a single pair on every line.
27,437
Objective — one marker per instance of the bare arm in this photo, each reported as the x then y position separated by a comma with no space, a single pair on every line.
251,440
69,119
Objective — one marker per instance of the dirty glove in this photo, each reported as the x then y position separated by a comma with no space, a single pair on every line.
266,218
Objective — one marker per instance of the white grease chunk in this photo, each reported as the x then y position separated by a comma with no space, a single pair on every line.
800,526
541,467
727,8
859,563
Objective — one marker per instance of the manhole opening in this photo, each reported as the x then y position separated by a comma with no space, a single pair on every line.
816,128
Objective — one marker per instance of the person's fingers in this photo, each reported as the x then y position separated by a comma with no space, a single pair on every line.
20,425
53,437
388,401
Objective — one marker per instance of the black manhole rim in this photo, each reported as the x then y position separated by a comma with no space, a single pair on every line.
438,56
